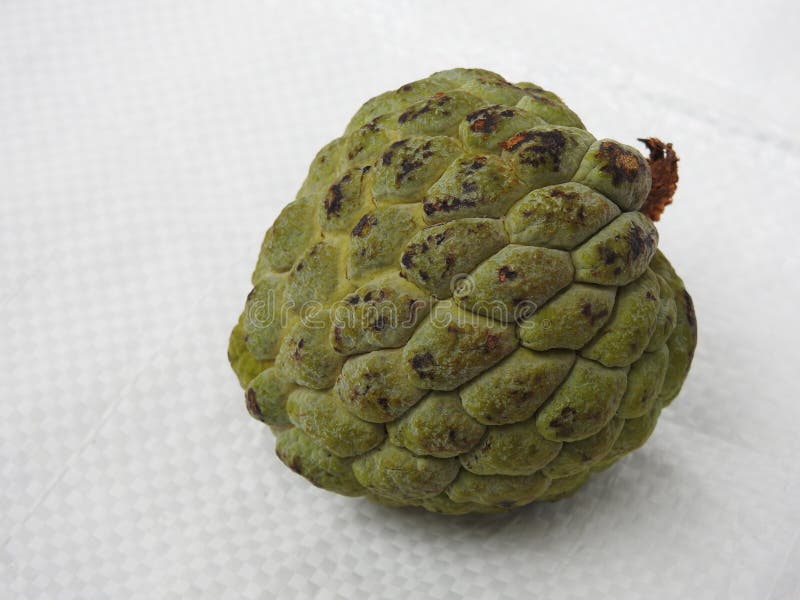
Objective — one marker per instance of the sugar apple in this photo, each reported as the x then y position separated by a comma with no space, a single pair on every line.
464,308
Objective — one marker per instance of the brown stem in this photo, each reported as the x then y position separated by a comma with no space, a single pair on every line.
664,169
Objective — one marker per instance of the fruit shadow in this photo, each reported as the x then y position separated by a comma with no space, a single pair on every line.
628,492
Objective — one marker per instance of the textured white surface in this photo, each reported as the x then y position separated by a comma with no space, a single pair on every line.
144,149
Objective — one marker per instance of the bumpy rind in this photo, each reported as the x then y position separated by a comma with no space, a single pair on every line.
462,309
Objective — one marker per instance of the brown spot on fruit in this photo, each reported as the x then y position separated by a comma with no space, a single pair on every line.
334,197
506,273
252,405
511,143
560,193
639,241
421,363
492,341
621,164
587,310
469,187
537,148
486,120
564,421
414,112
364,225
607,255
379,324
447,204
690,316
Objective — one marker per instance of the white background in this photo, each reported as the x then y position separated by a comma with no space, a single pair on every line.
144,149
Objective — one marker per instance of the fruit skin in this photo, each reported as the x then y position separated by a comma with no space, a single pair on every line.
463,309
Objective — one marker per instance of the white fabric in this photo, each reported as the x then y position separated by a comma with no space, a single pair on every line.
145,146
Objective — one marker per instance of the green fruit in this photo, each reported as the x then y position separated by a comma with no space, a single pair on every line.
463,309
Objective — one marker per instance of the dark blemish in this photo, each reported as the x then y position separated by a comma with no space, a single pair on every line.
407,260
469,187
649,295
440,237
355,152
414,112
334,197
421,362
548,146
621,164
337,337
540,147
453,328
485,120
251,295
451,435
447,204
581,214
407,166
594,317
690,316
297,354
299,267
607,255
296,465
506,273
364,225
449,261
252,405
540,98
424,275
505,503
353,299
376,296
371,126
560,193
617,270
365,170
476,165
406,88
638,241
564,421
379,324
383,403
492,342
386,159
